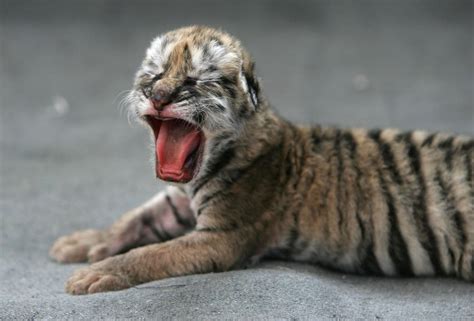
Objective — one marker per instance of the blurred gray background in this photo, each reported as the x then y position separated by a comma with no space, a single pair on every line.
69,159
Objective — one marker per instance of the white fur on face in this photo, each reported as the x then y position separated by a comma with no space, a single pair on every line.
207,62
157,54
217,55
222,56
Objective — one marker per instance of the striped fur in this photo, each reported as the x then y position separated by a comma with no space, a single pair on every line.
380,202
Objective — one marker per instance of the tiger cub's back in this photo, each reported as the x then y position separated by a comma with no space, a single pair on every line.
389,202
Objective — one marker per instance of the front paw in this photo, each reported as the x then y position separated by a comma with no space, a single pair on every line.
99,277
77,246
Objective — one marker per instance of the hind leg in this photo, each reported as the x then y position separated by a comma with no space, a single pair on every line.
167,215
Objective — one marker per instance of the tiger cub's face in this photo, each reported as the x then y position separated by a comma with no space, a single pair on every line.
196,84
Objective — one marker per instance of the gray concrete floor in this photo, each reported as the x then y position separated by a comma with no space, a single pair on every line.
69,159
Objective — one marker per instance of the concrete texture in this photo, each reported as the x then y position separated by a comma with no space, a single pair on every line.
69,160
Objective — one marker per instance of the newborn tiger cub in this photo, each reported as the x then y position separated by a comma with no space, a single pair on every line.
248,184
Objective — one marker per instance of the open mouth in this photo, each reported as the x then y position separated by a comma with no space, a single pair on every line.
179,147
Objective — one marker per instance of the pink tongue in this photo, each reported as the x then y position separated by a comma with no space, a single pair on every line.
176,141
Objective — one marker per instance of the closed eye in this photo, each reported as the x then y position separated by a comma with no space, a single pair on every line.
209,80
158,77
190,81
146,89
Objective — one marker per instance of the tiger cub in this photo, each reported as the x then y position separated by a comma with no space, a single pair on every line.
249,184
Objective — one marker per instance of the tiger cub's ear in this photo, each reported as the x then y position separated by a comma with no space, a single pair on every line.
249,81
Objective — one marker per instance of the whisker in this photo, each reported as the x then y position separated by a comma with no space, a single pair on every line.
121,98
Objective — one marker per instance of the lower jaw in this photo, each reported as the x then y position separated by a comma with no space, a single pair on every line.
182,177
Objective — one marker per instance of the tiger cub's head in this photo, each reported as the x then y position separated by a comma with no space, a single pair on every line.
196,85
